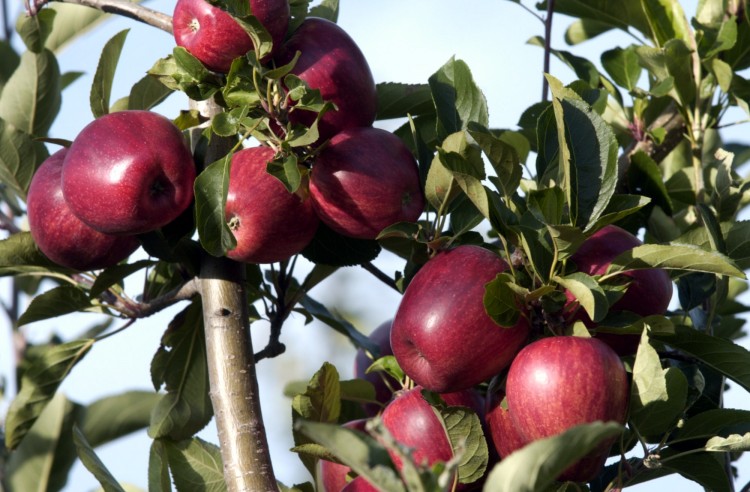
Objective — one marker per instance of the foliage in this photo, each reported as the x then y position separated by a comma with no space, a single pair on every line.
634,143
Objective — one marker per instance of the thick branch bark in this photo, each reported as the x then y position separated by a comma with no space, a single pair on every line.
231,365
234,385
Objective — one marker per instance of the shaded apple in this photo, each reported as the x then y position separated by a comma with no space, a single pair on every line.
505,436
333,476
128,173
359,484
412,422
270,223
331,62
211,35
383,383
59,234
556,383
648,293
365,180
442,336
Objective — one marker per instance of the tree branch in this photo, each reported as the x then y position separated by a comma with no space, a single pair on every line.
231,365
136,310
547,46
118,7
368,266
670,120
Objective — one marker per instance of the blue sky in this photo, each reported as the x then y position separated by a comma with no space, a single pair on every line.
403,42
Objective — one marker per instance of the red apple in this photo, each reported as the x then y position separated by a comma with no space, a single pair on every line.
412,422
383,383
60,235
212,36
332,476
648,293
504,434
128,173
269,223
365,180
359,484
557,383
442,336
331,62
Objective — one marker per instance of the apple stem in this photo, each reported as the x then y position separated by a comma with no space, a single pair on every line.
124,8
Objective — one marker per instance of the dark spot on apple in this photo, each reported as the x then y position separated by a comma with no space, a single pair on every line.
194,25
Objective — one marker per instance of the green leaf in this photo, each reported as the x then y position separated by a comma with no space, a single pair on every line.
467,440
658,396
93,464
71,21
112,417
147,93
328,9
685,257
158,468
645,178
457,98
588,156
588,292
397,100
502,156
113,275
706,469
55,302
196,465
180,365
49,365
11,60
20,156
286,170
321,402
101,88
358,451
321,313
211,188
35,29
536,465
622,65
20,254
678,58
618,15
667,21
36,94
736,237
712,423
733,443
726,357
333,249
582,30
500,301
583,68
29,467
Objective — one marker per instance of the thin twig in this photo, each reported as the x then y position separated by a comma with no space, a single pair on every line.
135,310
124,8
368,266
7,224
547,46
7,29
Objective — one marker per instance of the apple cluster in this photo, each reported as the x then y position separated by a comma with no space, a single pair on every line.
445,342
125,174
361,180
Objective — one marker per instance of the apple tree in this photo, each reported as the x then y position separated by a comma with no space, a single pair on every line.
571,287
